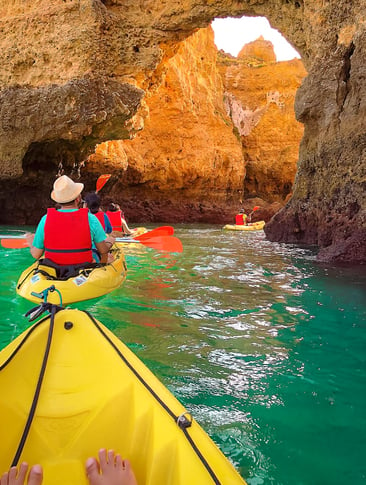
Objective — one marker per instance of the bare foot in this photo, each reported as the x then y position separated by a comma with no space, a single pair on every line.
111,470
15,477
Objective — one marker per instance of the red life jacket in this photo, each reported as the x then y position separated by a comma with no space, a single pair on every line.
100,216
240,219
115,219
67,238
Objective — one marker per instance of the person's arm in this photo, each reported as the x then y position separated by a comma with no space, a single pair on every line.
36,241
102,242
103,249
125,229
35,252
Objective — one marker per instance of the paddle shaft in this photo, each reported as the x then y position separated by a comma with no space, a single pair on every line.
169,244
159,242
158,231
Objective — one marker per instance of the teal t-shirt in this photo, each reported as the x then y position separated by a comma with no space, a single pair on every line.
96,230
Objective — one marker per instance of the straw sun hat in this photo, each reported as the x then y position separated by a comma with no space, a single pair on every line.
65,190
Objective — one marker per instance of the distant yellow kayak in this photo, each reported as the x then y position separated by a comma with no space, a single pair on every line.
255,226
90,283
69,386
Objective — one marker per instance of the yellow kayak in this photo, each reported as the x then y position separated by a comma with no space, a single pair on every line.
129,242
138,231
95,393
87,284
254,226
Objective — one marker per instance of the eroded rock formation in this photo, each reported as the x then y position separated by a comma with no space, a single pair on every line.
328,207
259,95
47,47
192,158
187,160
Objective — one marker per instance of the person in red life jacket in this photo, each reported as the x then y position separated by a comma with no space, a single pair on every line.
241,218
92,202
66,236
117,218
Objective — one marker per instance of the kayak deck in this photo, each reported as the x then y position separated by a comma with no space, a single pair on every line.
96,393
86,285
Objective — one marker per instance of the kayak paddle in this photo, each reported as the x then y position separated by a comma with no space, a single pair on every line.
159,231
170,244
102,180
156,239
14,242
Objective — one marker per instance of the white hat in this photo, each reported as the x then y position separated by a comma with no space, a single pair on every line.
65,190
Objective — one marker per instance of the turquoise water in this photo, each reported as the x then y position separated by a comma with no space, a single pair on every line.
264,346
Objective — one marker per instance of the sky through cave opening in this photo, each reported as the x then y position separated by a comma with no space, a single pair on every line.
231,34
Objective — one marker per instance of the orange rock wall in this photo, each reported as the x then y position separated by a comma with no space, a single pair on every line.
260,95
191,150
187,149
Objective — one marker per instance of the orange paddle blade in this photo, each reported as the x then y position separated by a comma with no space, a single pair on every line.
170,244
14,243
159,231
102,180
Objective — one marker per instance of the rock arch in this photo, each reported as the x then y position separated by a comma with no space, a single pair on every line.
119,46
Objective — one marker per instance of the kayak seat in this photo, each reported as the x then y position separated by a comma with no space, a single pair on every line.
55,271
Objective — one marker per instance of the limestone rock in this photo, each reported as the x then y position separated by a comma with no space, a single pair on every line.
328,207
187,157
260,97
260,50
74,117
188,105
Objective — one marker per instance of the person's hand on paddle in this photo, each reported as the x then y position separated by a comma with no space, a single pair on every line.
29,237
35,252
110,240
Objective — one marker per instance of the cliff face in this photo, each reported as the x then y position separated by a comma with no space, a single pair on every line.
260,95
187,159
73,74
328,207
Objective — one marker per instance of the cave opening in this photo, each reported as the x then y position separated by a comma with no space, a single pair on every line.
231,34
52,158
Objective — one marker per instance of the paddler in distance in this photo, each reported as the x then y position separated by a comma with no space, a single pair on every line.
93,203
66,235
117,218
241,218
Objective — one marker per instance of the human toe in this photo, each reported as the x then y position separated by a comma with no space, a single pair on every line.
92,470
35,475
